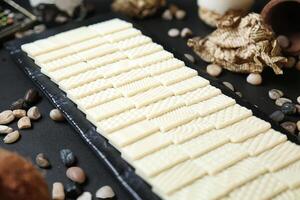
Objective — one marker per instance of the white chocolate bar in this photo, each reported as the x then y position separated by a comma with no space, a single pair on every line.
133,42
110,26
164,66
287,175
106,59
153,58
143,50
128,77
88,44
53,55
122,35
176,75
117,68
46,68
288,195
188,85
99,51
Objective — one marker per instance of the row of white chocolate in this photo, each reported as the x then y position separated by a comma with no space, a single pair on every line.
182,135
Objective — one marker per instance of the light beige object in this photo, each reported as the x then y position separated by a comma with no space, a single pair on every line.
11,137
58,192
241,44
5,129
6,117
287,175
188,85
105,192
19,113
34,113
24,123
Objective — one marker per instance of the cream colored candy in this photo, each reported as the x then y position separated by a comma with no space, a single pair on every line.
143,50
176,75
288,177
133,42
129,77
106,59
110,26
122,35
164,66
153,58
188,85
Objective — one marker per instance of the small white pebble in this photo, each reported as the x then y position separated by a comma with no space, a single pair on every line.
58,192
190,57
214,70
254,79
186,33
228,85
283,41
167,15
180,14
291,62
24,123
56,115
11,137
105,192
5,129
173,32
298,99
85,196
34,113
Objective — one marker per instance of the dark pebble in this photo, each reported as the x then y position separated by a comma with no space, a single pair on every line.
31,96
289,126
298,108
67,157
16,105
42,161
73,190
289,108
277,116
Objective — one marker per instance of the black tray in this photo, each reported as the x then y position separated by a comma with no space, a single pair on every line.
106,152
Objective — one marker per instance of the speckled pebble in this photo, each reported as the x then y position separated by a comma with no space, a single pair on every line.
281,101
76,174
32,96
105,192
289,126
42,161
214,70
277,116
85,196
167,15
289,108
228,85
190,57
291,62
254,79
186,33
275,94
73,190
56,115
173,32
68,157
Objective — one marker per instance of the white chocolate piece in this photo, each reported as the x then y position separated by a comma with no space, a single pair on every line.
143,50
159,161
228,116
88,44
262,188
110,26
77,35
190,130
164,66
176,177
288,195
288,175
263,142
150,96
97,52
200,94
213,105
176,75
221,158
161,107
89,89
133,42
60,63
53,55
247,128
175,118
131,134
108,109
188,85
66,72
106,59
117,68
145,146
122,35
98,98
280,156
139,86
119,121
153,58
204,143
128,77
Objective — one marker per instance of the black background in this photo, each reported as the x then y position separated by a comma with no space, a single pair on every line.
49,137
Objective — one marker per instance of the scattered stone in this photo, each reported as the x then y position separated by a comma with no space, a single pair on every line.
173,8
34,113
180,14
283,41
167,15
289,126
214,70
19,113
56,115
42,161
16,105
190,57
228,85
24,123
11,137
39,28
58,192
6,117
105,192
173,32
297,66
289,108
275,94
298,125
298,99
61,19
68,158
280,101
85,196
277,116
186,33
291,62
32,96
73,190
76,174
5,129
254,79
239,94
298,108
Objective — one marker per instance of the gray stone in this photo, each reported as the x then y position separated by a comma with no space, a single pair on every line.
289,126
277,116
275,94
281,101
